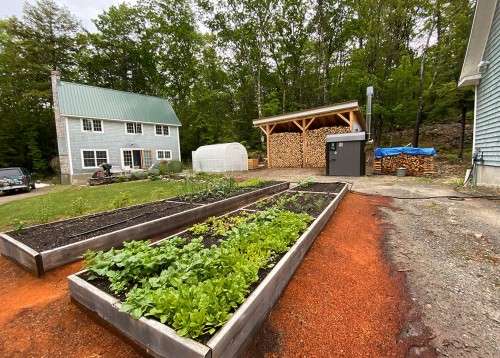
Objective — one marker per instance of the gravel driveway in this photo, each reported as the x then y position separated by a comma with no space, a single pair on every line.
8,197
450,252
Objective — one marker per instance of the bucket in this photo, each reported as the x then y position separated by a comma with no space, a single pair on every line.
401,172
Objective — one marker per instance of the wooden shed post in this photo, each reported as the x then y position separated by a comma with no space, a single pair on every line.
267,146
352,119
303,142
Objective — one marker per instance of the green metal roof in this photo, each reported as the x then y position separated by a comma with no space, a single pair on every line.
95,102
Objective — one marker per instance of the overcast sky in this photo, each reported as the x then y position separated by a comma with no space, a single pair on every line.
85,10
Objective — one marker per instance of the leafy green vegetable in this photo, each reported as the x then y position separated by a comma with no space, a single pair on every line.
192,288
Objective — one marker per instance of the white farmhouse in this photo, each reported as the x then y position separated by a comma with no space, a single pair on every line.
98,125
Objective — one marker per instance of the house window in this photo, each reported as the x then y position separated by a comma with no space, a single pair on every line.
91,125
163,154
127,158
87,125
101,157
94,158
162,130
97,124
134,128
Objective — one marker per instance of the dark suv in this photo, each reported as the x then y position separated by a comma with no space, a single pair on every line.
16,178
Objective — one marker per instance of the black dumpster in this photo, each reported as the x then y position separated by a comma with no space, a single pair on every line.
345,154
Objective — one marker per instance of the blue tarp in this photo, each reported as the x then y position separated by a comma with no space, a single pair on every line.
388,152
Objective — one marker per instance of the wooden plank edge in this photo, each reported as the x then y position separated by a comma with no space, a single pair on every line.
21,253
54,258
223,342
163,340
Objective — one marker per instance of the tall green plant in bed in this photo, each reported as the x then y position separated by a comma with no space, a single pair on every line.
190,287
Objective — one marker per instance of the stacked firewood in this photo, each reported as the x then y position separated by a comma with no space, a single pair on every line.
314,145
285,150
416,165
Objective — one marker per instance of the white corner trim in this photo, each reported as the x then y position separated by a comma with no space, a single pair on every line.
179,144
68,143
478,39
476,88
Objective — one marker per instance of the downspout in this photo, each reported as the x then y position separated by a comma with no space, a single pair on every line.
369,95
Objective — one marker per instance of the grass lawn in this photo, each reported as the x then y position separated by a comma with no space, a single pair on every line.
69,201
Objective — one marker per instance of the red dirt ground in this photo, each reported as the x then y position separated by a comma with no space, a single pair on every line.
342,301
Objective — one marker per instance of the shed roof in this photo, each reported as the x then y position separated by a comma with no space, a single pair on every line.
478,38
78,100
308,113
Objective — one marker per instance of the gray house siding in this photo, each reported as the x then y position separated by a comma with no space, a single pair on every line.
487,122
114,138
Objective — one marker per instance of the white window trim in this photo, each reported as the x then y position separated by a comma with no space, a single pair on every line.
95,157
163,150
92,124
142,128
162,134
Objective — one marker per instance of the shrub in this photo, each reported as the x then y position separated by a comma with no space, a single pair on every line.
122,200
138,175
19,224
174,166
154,171
252,183
163,167
79,206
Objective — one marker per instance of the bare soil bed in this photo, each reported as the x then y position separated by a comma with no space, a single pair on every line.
216,196
52,235
320,187
310,203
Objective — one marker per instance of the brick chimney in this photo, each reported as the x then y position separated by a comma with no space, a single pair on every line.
62,135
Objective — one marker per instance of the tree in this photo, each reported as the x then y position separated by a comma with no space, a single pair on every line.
252,58
45,39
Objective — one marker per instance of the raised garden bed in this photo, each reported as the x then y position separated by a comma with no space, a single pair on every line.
198,277
43,247
320,187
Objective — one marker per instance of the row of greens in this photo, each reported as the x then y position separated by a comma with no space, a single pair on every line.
217,187
189,286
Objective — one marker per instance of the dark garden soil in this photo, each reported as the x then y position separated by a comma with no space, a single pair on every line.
310,203
52,235
57,234
321,187
216,196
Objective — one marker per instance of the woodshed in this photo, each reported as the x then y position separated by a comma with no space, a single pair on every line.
297,139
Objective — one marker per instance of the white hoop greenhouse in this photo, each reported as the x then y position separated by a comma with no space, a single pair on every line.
224,157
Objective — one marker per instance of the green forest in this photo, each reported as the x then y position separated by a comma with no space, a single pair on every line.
223,63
